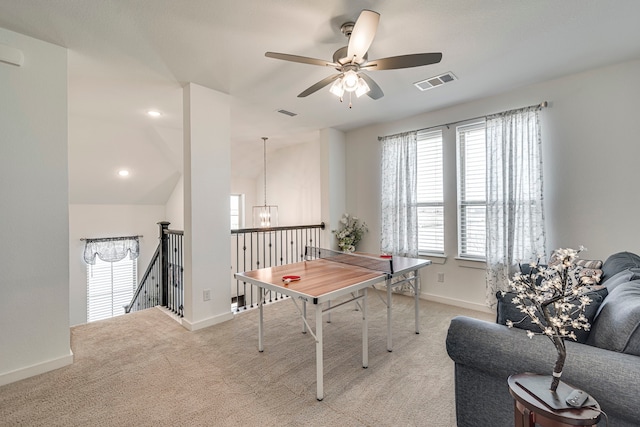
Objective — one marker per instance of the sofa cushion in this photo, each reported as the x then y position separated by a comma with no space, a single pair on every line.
507,310
621,277
618,262
617,326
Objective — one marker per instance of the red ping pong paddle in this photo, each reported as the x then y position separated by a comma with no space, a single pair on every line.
288,279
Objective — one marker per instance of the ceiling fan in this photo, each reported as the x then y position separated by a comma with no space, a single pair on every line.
350,61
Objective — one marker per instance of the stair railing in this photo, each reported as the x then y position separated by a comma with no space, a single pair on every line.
162,282
251,248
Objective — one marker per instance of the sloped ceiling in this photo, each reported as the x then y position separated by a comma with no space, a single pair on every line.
126,57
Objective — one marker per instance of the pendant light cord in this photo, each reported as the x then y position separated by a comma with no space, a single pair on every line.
264,143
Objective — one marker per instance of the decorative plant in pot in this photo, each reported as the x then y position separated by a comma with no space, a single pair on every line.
350,233
554,298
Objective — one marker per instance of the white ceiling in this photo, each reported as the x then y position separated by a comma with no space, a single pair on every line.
129,56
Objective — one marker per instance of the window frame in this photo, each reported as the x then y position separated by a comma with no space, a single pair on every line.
426,136
241,209
463,202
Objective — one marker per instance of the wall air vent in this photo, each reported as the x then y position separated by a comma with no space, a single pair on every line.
436,81
287,113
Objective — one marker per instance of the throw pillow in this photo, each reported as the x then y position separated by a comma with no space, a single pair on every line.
595,274
590,268
589,263
617,327
507,310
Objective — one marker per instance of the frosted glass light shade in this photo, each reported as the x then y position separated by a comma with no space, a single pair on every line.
265,216
350,81
336,88
362,88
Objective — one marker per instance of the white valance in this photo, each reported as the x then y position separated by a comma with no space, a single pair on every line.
111,249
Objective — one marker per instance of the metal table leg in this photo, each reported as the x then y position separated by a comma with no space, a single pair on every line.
365,332
260,322
389,310
416,291
319,356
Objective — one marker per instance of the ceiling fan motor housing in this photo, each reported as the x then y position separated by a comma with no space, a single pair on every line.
340,57
347,28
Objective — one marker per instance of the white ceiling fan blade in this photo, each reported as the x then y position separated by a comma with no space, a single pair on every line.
362,35
300,59
316,87
403,61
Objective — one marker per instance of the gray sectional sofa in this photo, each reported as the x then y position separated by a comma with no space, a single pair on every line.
606,365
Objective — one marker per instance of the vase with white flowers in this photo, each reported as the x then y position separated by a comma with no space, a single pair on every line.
350,233
554,298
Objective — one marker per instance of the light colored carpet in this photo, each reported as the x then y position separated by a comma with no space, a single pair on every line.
144,369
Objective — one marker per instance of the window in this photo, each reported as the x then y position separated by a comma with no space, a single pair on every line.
430,197
472,199
237,211
110,286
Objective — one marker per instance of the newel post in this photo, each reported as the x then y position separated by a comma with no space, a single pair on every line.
164,262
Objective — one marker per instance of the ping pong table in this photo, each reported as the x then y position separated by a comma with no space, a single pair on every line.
326,275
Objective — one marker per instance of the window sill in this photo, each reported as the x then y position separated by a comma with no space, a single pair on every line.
435,259
471,263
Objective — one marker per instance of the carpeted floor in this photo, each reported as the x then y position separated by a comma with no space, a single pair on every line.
144,369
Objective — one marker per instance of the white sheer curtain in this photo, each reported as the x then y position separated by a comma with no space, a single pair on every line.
515,217
399,216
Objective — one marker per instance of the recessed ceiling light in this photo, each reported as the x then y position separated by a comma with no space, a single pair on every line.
154,113
123,172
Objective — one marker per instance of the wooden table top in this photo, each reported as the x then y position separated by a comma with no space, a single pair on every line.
318,277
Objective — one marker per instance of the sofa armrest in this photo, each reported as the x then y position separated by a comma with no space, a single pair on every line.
612,378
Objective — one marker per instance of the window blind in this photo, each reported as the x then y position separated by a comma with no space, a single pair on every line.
472,199
430,193
110,286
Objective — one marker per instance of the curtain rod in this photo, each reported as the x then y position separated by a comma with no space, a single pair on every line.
540,106
106,239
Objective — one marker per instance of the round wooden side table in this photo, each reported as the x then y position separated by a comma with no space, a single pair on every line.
529,410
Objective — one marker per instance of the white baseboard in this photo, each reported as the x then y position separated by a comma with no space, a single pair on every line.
457,303
37,369
194,326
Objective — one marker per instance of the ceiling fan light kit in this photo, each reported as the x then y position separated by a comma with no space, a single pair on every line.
350,61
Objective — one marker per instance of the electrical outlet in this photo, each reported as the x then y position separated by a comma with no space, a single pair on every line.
206,295
440,277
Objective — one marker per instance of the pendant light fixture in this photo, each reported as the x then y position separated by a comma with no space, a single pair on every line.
267,215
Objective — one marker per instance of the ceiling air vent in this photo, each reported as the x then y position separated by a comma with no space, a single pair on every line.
432,82
287,113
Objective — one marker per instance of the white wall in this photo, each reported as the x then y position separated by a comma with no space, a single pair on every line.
293,184
207,171
333,179
95,221
590,165
34,224
174,208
